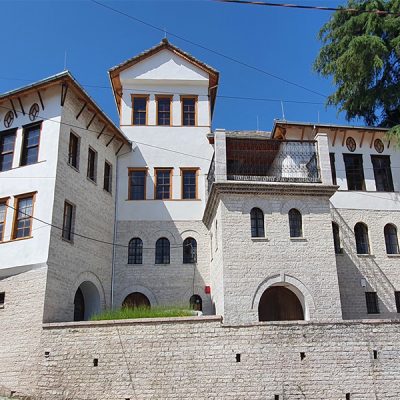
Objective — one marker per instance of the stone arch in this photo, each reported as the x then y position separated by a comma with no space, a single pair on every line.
167,234
86,301
293,284
297,204
136,299
262,204
120,297
88,276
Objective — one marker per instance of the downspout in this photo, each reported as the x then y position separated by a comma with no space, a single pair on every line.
115,235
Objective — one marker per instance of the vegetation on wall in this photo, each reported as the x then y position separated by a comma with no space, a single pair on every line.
361,52
144,312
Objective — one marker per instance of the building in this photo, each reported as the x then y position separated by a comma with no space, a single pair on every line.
287,233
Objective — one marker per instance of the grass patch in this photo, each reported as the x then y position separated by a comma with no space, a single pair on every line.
143,312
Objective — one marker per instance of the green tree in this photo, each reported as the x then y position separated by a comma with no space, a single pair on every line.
361,52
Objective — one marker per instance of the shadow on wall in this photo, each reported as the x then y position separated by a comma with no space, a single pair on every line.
358,275
162,260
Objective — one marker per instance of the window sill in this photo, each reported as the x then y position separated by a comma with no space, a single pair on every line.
160,264
365,256
91,180
17,239
259,239
133,265
298,239
2,307
339,254
28,165
163,200
74,168
70,241
393,255
108,192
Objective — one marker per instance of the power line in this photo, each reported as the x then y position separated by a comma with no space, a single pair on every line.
235,60
304,7
84,236
132,90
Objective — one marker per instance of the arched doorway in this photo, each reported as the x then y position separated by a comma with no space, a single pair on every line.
86,301
135,300
279,303
196,303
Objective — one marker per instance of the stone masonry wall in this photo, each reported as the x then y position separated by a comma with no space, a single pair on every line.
379,271
305,264
20,329
71,263
197,358
163,284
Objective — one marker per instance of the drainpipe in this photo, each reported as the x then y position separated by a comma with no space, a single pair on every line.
115,235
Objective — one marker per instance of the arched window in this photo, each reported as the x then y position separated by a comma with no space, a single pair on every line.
361,235
295,223
392,243
189,251
196,303
162,251
135,251
257,223
336,238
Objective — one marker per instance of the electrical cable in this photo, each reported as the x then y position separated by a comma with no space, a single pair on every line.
305,7
84,236
235,60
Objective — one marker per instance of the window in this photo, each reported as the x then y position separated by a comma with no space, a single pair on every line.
107,176
354,171
3,213
372,302
139,109
137,184
397,298
382,173
2,298
30,145
69,211
188,110
392,243
196,303
164,110
7,141
23,216
362,241
162,251
73,150
333,167
257,223
91,167
189,251
336,238
295,223
135,251
189,183
163,183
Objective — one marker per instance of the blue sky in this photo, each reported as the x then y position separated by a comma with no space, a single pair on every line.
281,41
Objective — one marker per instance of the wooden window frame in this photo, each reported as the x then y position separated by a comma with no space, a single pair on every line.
357,236
109,189
4,200
349,173
388,170
295,213
27,127
257,231
388,242
163,254
71,232
16,210
146,171
372,302
6,133
133,256
196,98
193,256
95,165
72,133
196,171
156,170
143,96
164,96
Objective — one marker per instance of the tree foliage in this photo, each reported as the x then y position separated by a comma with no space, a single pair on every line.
361,51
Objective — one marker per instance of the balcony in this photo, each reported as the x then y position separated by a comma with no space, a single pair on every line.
264,160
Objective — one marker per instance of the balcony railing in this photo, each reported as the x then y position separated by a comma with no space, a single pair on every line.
271,160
